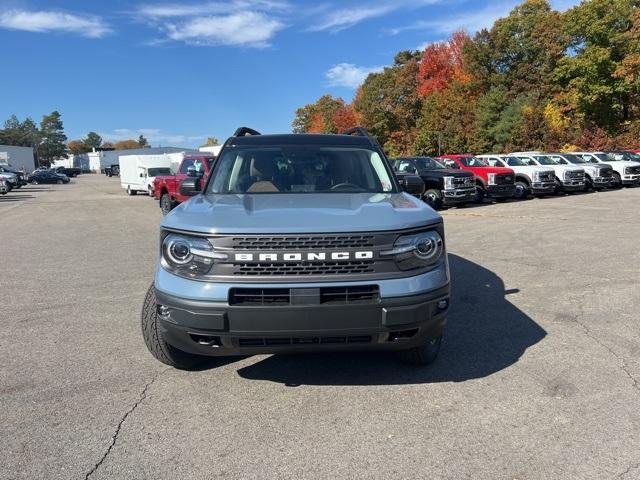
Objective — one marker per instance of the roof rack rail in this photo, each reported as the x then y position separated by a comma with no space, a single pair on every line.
357,131
244,131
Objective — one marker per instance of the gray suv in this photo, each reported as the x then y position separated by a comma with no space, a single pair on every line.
298,243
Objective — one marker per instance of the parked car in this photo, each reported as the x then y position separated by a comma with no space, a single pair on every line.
3,187
530,179
443,186
569,179
68,171
626,172
597,176
495,182
20,177
166,188
113,170
47,176
298,243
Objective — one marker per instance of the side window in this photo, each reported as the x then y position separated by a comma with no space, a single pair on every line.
406,166
198,165
186,165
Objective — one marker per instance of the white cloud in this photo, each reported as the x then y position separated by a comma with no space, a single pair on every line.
155,136
44,21
348,17
248,29
349,75
246,23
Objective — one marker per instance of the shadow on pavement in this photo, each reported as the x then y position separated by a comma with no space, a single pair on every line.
485,334
12,197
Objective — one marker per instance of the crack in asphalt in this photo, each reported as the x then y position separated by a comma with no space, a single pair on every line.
114,437
628,470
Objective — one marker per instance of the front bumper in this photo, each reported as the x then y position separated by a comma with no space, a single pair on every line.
460,195
215,329
601,182
501,191
630,179
197,317
542,188
573,185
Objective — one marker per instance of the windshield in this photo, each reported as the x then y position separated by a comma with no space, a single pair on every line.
157,171
617,156
426,163
515,162
474,162
301,169
544,160
570,158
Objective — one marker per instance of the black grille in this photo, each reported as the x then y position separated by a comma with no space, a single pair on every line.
504,179
547,177
463,182
632,170
302,341
606,172
331,242
575,175
259,296
344,295
358,295
325,268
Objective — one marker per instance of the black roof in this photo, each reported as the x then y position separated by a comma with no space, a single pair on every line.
302,139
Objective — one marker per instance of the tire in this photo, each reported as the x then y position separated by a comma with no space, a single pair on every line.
559,190
617,180
424,355
501,199
154,339
588,184
480,193
166,204
433,198
130,192
522,190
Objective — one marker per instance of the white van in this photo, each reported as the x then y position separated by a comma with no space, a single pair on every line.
137,172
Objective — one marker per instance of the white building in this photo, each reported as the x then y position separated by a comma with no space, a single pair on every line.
18,157
213,149
97,161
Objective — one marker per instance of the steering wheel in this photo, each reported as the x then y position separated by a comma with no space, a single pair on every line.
346,185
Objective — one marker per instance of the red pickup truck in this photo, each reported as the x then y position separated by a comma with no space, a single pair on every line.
494,182
166,188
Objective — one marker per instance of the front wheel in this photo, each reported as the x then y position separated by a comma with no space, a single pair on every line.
130,192
617,180
433,198
154,338
424,354
522,191
479,196
166,204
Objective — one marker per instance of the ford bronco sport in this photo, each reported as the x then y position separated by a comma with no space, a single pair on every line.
298,243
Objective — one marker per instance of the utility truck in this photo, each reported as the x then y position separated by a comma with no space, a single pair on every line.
137,172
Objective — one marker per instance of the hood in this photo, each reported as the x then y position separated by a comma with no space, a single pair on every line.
565,168
623,163
300,213
487,170
445,172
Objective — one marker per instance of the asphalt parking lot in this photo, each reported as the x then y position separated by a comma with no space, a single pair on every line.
539,376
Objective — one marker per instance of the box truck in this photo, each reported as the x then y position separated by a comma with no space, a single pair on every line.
138,171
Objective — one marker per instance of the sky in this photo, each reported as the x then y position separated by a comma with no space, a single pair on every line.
181,71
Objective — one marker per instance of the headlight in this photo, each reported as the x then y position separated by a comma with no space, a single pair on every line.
537,175
415,251
628,170
448,183
492,179
190,256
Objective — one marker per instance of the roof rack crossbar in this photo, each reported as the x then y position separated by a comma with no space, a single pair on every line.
244,131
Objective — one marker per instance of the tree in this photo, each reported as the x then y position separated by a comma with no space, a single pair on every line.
211,142
442,63
93,140
53,145
317,117
126,144
142,142
77,147
345,118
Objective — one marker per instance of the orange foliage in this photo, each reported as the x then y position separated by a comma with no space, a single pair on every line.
345,118
317,124
441,64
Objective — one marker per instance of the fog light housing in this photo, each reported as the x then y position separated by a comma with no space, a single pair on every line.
443,304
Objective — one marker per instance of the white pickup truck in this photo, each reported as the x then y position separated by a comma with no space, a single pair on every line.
568,177
597,176
530,179
626,170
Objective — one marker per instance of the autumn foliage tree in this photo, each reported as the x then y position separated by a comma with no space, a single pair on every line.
443,63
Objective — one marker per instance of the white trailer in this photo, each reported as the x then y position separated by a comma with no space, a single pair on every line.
138,171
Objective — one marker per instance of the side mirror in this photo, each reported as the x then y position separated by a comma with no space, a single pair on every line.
190,187
412,184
